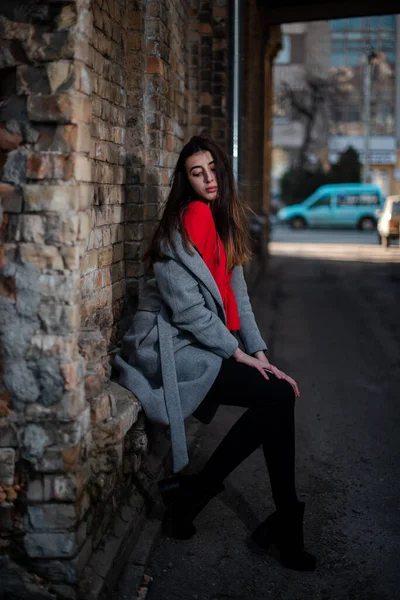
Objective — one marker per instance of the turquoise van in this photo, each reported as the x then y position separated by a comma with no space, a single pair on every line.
337,205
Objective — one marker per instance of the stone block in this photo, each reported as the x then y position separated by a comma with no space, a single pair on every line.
8,434
65,410
8,289
32,80
71,258
14,30
133,268
35,491
60,108
89,261
63,138
59,198
35,440
92,345
14,170
51,382
72,373
65,571
117,233
132,250
114,431
46,47
43,257
61,76
118,252
94,381
59,287
57,319
7,466
82,168
100,408
64,488
50,166
50,516
31,229
11,54
11,198
139,440
105,257
69,435
134,232
21,382
84,226
6,190
50,545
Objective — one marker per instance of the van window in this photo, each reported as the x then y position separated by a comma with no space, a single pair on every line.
396,208
362,199
324,201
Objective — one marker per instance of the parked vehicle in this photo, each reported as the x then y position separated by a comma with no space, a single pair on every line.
389,221
337,205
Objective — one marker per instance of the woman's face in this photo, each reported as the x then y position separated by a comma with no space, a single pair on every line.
200,169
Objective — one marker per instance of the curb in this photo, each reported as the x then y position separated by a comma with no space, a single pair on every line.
133,582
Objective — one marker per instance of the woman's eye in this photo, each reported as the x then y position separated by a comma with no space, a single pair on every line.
196,174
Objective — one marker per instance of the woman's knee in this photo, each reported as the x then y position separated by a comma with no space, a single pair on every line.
286,391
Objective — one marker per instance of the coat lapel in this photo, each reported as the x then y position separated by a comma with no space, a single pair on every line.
196,265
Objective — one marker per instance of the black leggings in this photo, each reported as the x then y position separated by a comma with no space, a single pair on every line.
268,422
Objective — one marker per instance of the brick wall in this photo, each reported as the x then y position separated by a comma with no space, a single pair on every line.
252,107
96,101
209,71
156,121
44,416
102,265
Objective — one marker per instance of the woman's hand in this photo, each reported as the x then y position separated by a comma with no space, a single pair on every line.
278,374
246,359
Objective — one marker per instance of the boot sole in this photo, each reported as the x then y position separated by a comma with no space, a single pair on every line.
273,551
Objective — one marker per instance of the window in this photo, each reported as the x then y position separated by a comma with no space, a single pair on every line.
324,201
369,200
396,208
357,200
350,39
297,43
284,55
356,23
388,22
339,24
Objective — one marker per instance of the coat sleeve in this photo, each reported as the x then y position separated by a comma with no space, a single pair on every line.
249,331
181,292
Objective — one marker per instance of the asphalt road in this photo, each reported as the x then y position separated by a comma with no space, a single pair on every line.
329,306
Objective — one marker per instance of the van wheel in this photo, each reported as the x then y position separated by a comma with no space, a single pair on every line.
297,223
367,224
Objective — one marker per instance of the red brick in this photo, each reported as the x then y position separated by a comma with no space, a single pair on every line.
155,65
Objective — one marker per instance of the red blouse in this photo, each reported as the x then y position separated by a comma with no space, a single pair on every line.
200,226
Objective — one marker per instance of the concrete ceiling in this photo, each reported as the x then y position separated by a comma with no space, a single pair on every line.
290,11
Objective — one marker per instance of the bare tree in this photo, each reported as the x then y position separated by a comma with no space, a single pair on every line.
316,99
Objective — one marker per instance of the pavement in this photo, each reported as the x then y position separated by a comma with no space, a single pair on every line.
332,321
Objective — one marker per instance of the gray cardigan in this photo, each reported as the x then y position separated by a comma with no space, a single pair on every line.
173,351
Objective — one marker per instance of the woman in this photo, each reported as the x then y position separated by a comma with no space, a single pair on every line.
182,357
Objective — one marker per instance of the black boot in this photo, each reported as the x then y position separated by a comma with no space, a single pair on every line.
185,496
284,529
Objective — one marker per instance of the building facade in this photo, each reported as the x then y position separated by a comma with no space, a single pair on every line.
335,54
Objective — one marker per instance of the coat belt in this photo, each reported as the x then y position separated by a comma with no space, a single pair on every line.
171,392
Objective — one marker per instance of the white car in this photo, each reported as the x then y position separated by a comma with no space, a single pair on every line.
389,221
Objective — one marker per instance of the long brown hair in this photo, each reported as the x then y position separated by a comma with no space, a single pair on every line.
229,212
